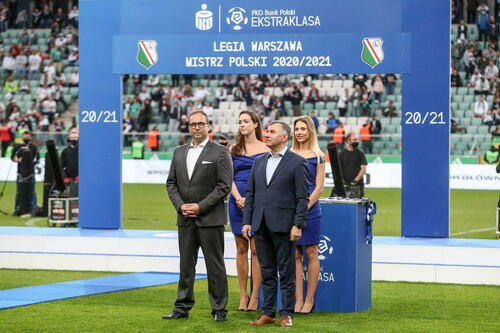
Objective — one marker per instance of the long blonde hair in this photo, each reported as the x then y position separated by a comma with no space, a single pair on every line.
312,143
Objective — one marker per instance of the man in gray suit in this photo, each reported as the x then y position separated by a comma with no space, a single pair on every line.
200,177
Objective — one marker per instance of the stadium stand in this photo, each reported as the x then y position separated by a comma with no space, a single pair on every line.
165,100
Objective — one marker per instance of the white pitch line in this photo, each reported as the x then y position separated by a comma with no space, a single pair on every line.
472,231
31,222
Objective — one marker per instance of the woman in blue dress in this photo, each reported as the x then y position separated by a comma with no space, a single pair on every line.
248,146
305,144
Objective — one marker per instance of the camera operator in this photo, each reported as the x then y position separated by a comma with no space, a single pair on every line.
353,163
26,156
69,161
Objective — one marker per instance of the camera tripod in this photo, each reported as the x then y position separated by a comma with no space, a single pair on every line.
3,188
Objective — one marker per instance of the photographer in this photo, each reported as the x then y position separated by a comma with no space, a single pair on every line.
26,156
353,163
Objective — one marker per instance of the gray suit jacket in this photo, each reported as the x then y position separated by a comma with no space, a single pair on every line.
209,185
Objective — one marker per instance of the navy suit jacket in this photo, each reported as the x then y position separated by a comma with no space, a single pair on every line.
284,201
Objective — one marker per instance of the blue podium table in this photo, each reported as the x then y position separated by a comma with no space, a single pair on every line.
345,255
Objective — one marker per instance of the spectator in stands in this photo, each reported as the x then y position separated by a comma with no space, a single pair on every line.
73,56
295,99
220,95
482,86
375,126
481,107
267,102
456,80
49,107
338,135
74,78
474,78
491,155
488,119
331,123
366,138
209,110
313,96
355,100
73,16
21,64
390,110
343,102
315,120
45,18
390,83
353,163
456,127
59,129
462,31
471,10
60,17
201,94
42,93
4,18
174,116
360,79
153,80
378,88
144,116
35,17
144,94
365,103
491,70
10,86
280,106
238,94
468,62
496,115
127,130
482,61
24,87
483,21
34,62
493,29
9,63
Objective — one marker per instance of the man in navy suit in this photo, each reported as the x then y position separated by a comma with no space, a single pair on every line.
276,211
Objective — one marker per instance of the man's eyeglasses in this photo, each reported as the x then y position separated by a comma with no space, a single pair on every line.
193,125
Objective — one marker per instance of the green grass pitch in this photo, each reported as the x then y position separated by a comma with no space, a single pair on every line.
396,307
148,207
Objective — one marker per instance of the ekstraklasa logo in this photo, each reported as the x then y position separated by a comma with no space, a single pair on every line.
236,17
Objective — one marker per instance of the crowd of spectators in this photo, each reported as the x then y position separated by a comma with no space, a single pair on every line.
33,63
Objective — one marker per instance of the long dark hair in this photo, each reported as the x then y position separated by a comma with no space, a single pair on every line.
239,147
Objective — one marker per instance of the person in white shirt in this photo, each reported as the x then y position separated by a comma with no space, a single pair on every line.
60,41
491,70
50,68
144,94
482,86
209,110
9,64
42,93
481,107
200,94
34,61
74,78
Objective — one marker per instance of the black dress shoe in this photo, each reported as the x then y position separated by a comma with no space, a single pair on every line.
175,315
220,316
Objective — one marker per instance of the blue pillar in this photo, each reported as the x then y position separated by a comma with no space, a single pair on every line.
100,153
426,101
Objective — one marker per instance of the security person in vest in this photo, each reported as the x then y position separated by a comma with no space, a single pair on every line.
491,156
138,148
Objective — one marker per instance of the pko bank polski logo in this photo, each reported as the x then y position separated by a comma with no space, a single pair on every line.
204,19
325,248
236,17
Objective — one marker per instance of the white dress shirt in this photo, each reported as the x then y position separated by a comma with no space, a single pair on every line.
272,163
192,156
